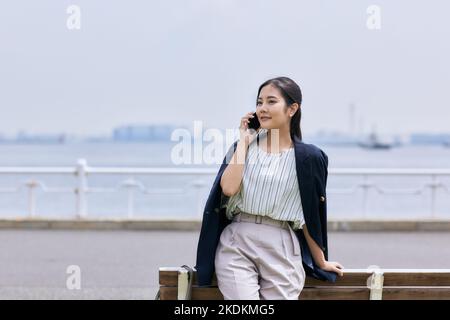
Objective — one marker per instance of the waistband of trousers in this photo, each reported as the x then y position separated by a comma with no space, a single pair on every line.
242,216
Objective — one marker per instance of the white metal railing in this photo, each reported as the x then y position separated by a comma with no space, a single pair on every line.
366,184
82,171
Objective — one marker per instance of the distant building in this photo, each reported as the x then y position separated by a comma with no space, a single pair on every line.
137,133
429,138
23,137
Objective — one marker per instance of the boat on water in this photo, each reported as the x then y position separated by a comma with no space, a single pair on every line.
373,142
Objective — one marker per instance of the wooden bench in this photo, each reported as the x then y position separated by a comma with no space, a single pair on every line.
356,284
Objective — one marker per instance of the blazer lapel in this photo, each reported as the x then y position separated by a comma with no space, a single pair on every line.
304,176
301,152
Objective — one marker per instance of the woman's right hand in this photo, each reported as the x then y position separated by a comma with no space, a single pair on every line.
247,135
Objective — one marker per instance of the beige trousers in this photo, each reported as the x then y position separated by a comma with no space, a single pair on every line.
259,261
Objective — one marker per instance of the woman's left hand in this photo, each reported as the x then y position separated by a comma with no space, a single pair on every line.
334,267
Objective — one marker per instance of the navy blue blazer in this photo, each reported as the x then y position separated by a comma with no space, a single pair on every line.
312,173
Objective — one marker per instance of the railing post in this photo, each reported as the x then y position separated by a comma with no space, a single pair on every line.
81,188
31,197
433,187
130,203
130,184
365,195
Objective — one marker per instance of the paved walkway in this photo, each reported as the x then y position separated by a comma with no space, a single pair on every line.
124,264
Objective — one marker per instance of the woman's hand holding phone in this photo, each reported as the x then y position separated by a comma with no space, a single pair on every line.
247,134
231,180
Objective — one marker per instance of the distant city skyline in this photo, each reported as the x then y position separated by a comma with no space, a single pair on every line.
170,133
174,62
189,127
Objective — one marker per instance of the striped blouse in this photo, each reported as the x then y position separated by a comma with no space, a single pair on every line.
269,187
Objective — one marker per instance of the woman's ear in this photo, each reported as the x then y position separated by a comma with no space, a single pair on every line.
294,107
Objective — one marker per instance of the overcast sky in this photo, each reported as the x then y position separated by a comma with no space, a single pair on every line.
137,62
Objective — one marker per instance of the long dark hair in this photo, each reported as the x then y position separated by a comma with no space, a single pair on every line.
291,93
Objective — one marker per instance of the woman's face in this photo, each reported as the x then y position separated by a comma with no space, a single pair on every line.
271,109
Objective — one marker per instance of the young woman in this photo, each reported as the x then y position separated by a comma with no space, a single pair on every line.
265,218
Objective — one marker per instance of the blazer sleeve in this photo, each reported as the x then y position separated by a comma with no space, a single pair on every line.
320,174
320,167
317,168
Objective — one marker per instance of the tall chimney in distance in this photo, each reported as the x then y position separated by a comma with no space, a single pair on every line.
352,119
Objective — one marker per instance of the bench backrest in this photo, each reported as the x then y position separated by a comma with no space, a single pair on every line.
356,284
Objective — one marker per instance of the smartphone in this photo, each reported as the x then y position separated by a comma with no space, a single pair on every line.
254,122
